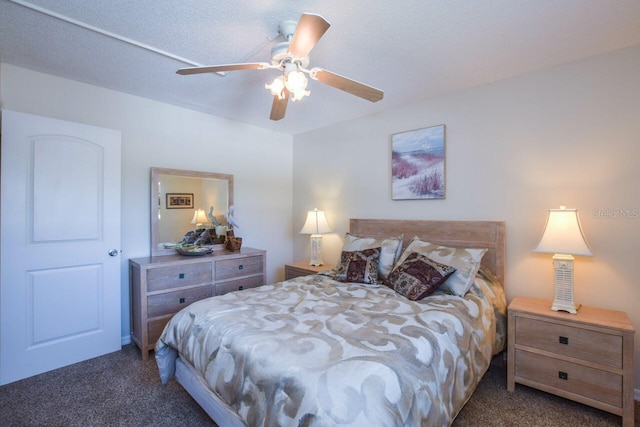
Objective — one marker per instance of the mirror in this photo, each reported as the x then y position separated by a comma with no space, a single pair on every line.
175,196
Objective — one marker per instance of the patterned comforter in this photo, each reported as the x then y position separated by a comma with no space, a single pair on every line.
312,351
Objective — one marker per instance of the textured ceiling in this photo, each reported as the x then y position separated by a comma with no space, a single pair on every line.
411,49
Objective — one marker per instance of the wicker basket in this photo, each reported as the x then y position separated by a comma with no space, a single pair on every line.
233,244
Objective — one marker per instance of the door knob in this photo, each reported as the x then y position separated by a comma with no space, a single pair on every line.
113,252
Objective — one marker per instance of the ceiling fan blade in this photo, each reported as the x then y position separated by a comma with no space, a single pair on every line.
353,87
279,106
224,67
309,30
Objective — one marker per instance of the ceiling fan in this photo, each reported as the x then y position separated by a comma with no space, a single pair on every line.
291,57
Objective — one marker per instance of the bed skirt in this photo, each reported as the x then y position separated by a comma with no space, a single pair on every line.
193,383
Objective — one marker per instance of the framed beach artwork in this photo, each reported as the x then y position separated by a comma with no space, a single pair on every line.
417,164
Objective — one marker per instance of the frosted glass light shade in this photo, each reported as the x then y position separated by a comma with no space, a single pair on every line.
296,81
276,87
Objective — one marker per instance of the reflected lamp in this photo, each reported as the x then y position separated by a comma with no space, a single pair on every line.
199,218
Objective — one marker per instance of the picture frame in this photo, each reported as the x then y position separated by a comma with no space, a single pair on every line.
418,164
179,201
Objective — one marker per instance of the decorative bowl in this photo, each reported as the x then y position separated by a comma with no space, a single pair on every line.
193,250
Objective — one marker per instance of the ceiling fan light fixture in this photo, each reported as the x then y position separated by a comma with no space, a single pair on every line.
293,79
297,96
276,87
296,81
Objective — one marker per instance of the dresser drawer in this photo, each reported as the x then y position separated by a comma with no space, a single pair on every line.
176,276
587,345
591,383
172,302
239,267
240,284
160,286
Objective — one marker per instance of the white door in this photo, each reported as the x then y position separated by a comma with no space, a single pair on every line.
60,225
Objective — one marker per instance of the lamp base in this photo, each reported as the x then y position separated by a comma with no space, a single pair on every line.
316,250
563,295
564,306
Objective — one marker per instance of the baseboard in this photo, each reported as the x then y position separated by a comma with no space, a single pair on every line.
127,340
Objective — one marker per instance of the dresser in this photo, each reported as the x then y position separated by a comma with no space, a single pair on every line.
163,285
586,357
302,268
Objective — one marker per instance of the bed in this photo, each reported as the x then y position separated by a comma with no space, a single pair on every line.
318,351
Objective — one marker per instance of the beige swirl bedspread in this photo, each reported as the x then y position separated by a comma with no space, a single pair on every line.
316,352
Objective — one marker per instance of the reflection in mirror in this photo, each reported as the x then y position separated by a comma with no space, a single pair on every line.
176,195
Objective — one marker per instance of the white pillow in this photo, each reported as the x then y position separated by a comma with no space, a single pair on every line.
390,250
465,260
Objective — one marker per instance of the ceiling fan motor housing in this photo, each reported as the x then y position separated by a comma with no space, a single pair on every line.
280,52
287,28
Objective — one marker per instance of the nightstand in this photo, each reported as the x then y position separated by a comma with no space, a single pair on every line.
586,357
302,268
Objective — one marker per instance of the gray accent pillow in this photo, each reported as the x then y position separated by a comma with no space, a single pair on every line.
466,261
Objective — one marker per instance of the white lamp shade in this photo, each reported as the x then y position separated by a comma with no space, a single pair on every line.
199,217
563,234
316,223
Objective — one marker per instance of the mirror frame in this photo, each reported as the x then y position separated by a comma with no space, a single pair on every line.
155,174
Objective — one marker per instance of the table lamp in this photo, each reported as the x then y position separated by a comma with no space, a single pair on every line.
564,238
316,224
199,218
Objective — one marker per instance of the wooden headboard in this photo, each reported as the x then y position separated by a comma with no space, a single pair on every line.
457,234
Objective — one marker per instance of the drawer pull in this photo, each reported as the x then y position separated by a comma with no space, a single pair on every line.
181,300
181,276
240,267
241,288
563,375
563,340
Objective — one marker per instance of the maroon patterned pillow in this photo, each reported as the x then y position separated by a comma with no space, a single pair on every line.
359,266
418,276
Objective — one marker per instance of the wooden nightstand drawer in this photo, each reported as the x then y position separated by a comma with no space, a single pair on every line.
239,285
178,275
231,268
586,357
171,302
583,344
596,384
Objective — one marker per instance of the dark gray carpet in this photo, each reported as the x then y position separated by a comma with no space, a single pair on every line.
119,389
